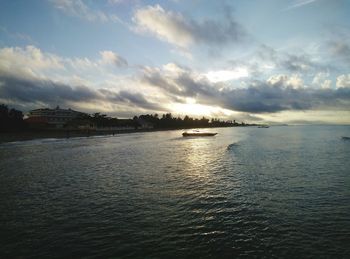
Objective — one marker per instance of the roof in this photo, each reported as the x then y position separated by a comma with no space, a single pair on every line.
36,120
55,110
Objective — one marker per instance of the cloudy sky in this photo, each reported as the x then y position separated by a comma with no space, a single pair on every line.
276,61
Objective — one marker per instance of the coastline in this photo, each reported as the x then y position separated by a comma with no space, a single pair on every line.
6,137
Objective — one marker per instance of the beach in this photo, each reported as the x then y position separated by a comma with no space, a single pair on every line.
59,134
29,135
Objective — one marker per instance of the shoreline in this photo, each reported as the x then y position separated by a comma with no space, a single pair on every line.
7,137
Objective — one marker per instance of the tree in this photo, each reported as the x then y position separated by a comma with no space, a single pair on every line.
10,119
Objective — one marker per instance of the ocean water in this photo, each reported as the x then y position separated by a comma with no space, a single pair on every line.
247,192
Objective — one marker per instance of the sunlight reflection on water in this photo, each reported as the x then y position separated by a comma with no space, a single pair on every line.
245,192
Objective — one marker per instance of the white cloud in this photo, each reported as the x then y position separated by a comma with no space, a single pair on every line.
86,82
292,81
299,3
30,77
295,81
78,8
172,69
277,79
29,61
327,84
278,93
17,35
182,32
227,75
166,25
321,80
343,81
110,57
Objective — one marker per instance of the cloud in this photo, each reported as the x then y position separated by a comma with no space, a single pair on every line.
177,82
29,61
32,78
278,93
110,57
46,92
292,81
321,80
290,62
39,83
77,8
265,61
115,2
267,97
343,81
297,63
340,49
183,32
227,75
299,3
17,35
131,99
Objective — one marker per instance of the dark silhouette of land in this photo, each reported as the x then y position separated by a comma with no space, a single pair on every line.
14,127
11,119
168,121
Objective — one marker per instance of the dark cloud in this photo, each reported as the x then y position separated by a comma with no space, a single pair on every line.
182,84
266,60
218,33
155,78
194,88
133,99
266,98
290,62
340,49
26,91
257,97
295,63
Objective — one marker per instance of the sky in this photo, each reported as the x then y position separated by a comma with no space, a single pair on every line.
258,61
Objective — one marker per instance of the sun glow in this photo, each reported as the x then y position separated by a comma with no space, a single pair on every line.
198,110
226,75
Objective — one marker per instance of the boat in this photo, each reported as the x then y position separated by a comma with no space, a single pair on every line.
198,134
264,127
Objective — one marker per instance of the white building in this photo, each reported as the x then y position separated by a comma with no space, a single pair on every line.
55,117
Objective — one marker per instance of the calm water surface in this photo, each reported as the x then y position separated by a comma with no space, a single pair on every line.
277,192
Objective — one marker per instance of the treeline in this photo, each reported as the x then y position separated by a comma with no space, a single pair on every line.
168,121
102,121
11,119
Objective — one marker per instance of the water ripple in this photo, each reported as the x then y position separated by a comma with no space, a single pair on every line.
277,193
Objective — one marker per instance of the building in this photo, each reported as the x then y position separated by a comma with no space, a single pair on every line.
144,124
53,118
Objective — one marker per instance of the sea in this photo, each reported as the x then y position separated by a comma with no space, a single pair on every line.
279,192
